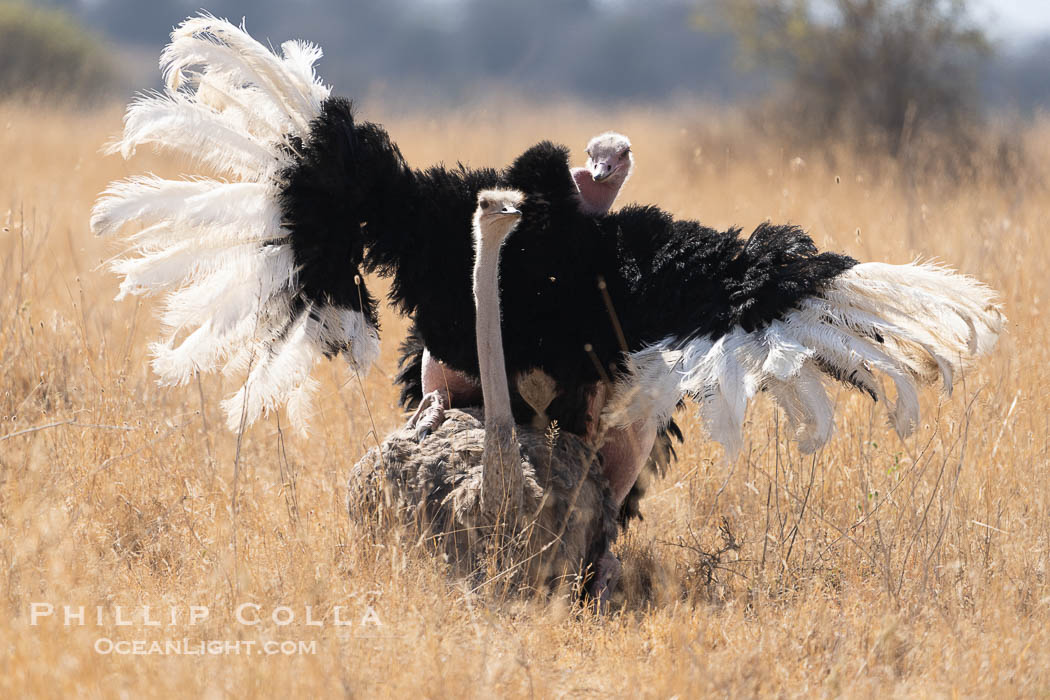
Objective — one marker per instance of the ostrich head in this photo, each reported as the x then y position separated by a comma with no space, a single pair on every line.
609,164
609,159
496,216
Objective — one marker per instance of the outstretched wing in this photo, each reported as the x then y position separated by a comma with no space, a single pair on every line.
713,317
909,324
238,292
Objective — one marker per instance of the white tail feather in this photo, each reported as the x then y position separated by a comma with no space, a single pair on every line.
220,45
238,290
145,201
217,250
177,123
275,374
300,57
912,323
204,350
245,107
281,372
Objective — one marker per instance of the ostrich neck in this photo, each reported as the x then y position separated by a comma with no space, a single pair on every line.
501,475
596,197
494,390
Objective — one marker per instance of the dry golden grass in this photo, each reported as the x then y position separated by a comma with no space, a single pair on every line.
881,566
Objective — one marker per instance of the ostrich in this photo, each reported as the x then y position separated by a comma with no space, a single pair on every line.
609,165
260,269
472,480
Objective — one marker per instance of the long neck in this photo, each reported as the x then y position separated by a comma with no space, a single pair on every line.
596,197
501,474
494,390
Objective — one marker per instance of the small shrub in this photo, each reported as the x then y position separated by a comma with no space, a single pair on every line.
46,54
881,73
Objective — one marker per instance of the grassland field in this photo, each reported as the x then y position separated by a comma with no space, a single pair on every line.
879,567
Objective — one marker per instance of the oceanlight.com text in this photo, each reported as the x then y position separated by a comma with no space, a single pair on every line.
196,647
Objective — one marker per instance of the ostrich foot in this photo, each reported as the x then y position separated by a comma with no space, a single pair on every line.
606,577
429,415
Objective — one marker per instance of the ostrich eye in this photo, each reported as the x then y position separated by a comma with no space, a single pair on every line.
625,152
484,204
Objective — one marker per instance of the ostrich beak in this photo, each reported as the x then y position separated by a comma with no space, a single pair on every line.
510,210
601,171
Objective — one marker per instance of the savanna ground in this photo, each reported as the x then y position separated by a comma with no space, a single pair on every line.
881,566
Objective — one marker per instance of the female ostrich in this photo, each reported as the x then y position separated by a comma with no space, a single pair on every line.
472,480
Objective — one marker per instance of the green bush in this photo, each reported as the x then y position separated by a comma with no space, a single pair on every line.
46,54
879,72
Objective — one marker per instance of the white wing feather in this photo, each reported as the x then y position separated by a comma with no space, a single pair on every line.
911,323
215,249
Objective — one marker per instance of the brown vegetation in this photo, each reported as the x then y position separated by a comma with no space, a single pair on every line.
879,566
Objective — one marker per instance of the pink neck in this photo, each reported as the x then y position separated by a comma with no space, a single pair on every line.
596,197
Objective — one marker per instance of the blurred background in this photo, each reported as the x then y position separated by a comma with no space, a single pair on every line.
894,64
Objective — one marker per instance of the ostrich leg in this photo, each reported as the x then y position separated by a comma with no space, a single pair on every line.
443,388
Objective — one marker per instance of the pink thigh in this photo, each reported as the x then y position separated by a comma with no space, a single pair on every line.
624,450
624,454
456,387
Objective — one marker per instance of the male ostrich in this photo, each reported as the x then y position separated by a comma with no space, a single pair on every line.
260,269
609,165
473,483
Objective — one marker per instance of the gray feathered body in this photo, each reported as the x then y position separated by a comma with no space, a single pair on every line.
434,487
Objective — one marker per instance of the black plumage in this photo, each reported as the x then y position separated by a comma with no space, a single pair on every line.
351,199
410,368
